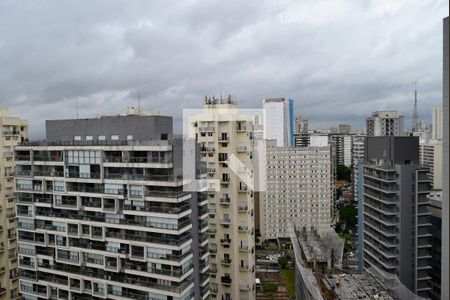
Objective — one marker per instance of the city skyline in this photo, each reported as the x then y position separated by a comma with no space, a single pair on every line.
108,56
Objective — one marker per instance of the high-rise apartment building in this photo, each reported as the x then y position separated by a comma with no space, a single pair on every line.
225,136
102,213
301,124
299,189
343,148
13,131
358,155
431,158
435,208
436,123
445,178
383,123
301,134
279,121
344,129
396,228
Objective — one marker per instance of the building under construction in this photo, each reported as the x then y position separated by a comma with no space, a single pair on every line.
319,275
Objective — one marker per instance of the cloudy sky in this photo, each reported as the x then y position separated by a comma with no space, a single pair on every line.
339,59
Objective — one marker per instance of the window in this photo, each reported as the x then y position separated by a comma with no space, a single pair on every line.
114,137
129,137
77,138
89,138
101,138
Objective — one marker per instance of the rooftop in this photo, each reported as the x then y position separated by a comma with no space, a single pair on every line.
356,286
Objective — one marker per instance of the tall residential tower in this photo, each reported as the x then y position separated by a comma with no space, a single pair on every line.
396,226
13,131
225,138
279,121
102,213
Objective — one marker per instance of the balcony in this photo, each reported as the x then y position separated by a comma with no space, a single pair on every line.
243,267
137,160
223,138
226,221
241,149
244,287
225,280
22,157
83,175
226,241
225,201
208,149
242,208
242,228
206,128
242,188
24,173
225,261
243,248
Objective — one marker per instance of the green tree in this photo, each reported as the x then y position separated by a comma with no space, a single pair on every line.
283,262
347,216
343,173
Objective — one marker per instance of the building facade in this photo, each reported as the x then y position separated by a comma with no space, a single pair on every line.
436,125
225,137
431,158
301,124
279,121
445,189
358,156
13,131
344,129
383,123
102,213
396,228
435,208
299,189
343,148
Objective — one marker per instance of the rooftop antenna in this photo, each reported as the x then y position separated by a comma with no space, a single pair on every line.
415,119
76,108
139,103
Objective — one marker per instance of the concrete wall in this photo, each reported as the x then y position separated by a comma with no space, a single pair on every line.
445,191
406,206
393,148
143,128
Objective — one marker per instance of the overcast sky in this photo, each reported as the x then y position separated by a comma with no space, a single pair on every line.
338,59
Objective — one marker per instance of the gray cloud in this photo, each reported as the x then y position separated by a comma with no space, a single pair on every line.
340,60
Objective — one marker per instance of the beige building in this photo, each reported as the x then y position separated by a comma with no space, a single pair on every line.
431,157
225,138
13,130
299,190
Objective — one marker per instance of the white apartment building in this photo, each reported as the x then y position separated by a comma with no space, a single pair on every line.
431,157
343,148
358,152
225,137
102,213
383,123
13,131
278,119
299,189
436,123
